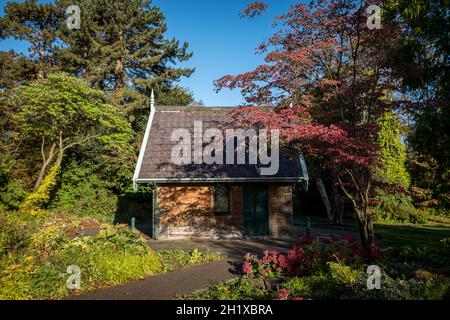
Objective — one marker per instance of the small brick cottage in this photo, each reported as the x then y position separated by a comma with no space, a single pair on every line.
217,200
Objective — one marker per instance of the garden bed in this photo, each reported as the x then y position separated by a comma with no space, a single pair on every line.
336,269
35,253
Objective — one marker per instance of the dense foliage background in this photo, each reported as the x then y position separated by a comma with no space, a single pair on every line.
79,100
368,108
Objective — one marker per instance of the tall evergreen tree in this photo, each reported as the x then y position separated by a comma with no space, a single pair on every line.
121,45
422,61
37,24
16,69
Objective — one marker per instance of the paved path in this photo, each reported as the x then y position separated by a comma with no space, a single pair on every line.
234,250
166,286
183,282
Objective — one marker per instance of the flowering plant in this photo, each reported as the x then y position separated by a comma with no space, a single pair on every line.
303,258
285,294
271,265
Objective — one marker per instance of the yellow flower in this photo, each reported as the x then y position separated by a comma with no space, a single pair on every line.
15,266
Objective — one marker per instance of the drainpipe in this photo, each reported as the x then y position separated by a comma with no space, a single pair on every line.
155,211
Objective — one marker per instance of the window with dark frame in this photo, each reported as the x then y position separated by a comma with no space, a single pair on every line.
221,199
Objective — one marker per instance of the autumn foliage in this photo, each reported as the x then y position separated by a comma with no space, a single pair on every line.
326,81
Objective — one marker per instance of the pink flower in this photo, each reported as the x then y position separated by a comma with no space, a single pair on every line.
282,261
247,268
283,293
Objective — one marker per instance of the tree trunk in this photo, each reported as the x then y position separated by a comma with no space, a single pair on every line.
366,230
361,201
40,176
120,67
325,199
338,205
46,161
120,82
42,173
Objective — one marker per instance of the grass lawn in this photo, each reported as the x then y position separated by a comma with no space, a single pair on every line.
414,266
418,235
397,234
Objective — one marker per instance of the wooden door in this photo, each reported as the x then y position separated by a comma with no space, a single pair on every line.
256,209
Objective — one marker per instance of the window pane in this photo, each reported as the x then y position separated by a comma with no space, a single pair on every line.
221,199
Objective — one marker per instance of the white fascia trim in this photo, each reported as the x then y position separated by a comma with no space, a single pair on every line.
187,180
301,159
137,170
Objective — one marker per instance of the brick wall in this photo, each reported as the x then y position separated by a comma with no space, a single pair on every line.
187,211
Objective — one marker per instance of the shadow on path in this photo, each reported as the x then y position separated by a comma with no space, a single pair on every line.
166,286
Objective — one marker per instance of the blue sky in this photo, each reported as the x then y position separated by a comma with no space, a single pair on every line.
221,41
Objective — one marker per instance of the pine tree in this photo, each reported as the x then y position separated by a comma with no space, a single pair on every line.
16,69
121,45
37,24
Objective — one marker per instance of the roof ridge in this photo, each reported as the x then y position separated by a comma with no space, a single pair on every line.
196,108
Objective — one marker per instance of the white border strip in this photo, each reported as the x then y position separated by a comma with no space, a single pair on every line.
305,174
243,179
137,170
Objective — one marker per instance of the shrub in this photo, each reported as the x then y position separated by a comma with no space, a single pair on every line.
119,238
85,193
344,275
333,278
446,245
14,233
399,289
47,239
12,193
110,266
411,258
236,289
15,281
175,259
347,283
38,199
285,294
438,212
271,265
297,286
113,256
304,258
397,208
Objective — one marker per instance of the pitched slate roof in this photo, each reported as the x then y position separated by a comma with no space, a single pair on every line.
155,158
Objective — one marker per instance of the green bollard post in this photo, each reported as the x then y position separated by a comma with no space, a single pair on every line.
308,226
133,223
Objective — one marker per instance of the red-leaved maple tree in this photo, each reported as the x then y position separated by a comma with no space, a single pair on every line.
326,74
